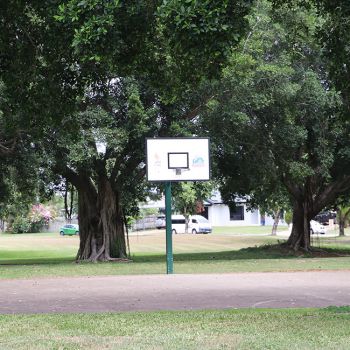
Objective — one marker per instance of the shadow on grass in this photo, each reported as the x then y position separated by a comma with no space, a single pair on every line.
337,309
262,252
255,253
36,261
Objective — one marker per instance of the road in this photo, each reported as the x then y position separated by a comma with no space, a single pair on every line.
175,292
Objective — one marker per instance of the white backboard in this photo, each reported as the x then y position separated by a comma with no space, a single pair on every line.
178,159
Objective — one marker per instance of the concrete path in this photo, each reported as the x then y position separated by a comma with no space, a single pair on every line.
175,292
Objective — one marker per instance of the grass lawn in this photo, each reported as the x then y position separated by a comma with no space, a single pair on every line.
227,329
250,230
49,255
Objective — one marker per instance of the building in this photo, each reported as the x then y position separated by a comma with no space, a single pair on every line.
220,214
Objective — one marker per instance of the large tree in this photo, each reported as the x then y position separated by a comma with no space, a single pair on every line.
102,157
69,67
278,122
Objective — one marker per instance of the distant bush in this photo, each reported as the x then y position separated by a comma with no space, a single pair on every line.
38,217
288,217
21,225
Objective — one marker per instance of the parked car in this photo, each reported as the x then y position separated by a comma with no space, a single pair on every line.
69,230
324,217
197,224
160,222
316,227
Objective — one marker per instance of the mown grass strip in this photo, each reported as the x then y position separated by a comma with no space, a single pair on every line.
259,259
50,255
218,329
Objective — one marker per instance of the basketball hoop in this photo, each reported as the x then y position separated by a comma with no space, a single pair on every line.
173,160
178,159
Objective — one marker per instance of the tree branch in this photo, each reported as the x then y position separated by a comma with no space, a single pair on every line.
193,113
331,192
7,147
294,190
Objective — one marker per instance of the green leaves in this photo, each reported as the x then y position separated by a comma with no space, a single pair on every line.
210,28
186,195
83,72
275,119
91,20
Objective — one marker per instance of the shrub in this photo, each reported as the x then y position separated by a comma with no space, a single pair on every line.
21,225
40,216
288,217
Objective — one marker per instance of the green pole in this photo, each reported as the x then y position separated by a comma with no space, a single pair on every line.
169,238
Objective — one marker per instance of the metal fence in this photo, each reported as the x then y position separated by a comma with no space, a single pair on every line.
146,223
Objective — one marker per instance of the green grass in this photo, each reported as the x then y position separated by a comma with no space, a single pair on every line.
250,230
46,248
245,260
199,266
227,329
49,255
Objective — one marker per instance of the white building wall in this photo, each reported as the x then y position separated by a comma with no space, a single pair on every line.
269,220
219,215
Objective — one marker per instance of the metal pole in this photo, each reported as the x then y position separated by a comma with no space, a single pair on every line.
169,238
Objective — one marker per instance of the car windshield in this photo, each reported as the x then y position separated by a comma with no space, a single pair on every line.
201,219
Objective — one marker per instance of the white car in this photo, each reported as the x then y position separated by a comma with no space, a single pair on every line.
160,222
316,227
197,224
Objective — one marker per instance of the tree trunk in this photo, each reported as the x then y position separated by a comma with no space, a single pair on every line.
101,224
187,221
112,221
68,208
341,219
276,220
341,228
300,235
89,228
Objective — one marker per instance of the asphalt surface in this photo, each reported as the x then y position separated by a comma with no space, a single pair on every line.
175,292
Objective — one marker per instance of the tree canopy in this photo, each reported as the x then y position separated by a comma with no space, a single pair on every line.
277,123
83,82
90,75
